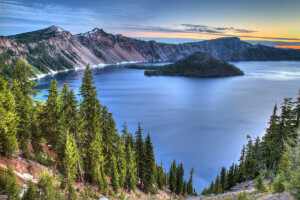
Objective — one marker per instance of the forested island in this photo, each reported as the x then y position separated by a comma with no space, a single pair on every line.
199,64
64,148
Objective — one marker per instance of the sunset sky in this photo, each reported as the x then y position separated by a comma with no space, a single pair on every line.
181,20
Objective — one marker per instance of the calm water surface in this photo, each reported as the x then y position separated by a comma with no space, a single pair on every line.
202,122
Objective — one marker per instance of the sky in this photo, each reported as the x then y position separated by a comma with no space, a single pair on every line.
270,22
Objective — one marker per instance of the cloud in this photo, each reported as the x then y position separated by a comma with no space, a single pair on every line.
18,14
210,29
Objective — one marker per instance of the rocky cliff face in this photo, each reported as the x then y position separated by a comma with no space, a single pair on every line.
54,49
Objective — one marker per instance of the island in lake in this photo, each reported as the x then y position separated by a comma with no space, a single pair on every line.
199,64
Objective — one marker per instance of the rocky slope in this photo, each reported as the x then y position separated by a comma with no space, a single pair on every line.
55,49
199,64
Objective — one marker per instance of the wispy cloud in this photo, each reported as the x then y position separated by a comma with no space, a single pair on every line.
210,29
207,30
18,14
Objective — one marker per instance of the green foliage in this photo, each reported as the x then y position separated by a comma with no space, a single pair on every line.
8,121
199,64
121,160
179,179
259,183
190,188
278,184
45,187
114,174
131,173
8,183
149,161
30,193
243,196
295,184
139,152
172,176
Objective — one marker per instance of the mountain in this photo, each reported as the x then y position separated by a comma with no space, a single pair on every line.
55,49
199,64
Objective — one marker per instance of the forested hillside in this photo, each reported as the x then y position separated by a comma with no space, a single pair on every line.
275,157
79,141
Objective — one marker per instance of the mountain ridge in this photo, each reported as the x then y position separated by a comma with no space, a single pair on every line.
55,49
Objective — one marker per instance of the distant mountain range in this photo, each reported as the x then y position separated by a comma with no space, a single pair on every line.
55,49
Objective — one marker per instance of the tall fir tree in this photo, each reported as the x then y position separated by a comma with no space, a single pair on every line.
149,161
50,117
139,153
172,176
223,179
190,187
8,121
131,167
121,160
114,174
179,179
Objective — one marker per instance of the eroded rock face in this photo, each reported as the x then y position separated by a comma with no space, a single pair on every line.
54,49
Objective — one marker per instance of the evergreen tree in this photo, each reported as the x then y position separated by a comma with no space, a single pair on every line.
160,176
217,186
223,179
12,189
114,174
91,113
230,177
259,183
179,179
70,164
149,161
172,177
184,187
270,141
190,183
121,160
8,121
30,193
109,134
50,117
131,173
45,188
139,153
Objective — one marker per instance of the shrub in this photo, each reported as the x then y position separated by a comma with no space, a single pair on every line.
259,183
278,184
243,196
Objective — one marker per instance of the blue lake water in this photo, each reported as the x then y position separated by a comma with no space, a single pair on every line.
202,122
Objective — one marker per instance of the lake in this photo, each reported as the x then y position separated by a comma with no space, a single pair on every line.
202,122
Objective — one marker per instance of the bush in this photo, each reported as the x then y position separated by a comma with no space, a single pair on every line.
44,158
295,185
243,196
8,183
259,183
278,184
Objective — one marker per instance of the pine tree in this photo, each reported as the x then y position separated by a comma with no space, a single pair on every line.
91,114
121,160
190,183
50,117
109,134
30,193
259,183
149,161
139,153
8,121
184,187
131,173
223,179
160,176
12,189
230,177
114,174
217,185
179,179
172,177
70,164
45,187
